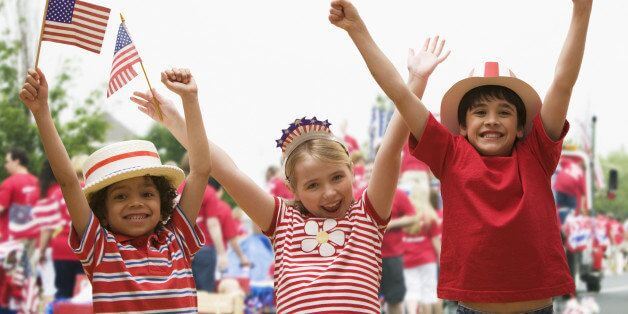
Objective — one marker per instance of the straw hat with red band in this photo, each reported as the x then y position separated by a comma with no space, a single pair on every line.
124,160
488,73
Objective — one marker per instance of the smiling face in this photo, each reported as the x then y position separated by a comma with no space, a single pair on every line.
133,207
491,127
325,189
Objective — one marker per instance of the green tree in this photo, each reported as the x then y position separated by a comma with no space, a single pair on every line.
618,206
80,134
169,148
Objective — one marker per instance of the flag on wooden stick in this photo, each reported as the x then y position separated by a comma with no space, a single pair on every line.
124,57
76,23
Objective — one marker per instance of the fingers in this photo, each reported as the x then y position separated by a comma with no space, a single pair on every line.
42,78
177,75
426,44
26,95
439,47
443,57
433,44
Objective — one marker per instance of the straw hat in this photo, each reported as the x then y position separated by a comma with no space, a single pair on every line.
124,160
488,73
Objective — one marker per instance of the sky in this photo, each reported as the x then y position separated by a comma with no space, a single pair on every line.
261,64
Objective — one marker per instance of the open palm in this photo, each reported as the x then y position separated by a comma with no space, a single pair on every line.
423,62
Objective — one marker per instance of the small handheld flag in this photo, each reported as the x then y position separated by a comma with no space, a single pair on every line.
74,22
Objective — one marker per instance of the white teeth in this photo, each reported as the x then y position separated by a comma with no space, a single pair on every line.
491,135
136,216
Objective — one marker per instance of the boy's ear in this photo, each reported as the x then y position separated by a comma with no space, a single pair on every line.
463,130
520,133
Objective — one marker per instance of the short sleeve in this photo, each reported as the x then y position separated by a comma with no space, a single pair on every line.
370,211
435,148
543,147
189,233
5,193
279,204
89,248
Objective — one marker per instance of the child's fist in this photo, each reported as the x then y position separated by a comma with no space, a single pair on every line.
344,15
34,92
179,81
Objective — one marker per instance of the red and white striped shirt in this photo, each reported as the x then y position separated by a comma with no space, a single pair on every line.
327,265
141,275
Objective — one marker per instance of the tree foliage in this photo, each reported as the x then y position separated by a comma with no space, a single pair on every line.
618,206
169,148
80,134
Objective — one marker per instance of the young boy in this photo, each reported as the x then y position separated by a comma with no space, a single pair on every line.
501,244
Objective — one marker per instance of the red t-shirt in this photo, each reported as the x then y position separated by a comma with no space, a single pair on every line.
393,246
501,239
278,188
213,207
20,191
418,248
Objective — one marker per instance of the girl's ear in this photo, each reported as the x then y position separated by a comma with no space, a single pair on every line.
287,182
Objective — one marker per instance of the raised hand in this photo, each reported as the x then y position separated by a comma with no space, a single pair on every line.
423,62
344,15
34,92
144,101
180,81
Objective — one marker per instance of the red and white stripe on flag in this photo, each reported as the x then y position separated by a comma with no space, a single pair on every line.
85,29
124,57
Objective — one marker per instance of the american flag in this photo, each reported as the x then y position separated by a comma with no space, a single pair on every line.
76,23
124,57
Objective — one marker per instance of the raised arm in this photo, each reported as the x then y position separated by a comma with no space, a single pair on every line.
34,94
257,204
554,110
383,181
344,15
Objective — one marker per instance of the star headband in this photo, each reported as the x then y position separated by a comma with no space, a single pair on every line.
301,131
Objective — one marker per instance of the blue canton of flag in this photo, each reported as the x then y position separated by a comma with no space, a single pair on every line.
124,57
60,11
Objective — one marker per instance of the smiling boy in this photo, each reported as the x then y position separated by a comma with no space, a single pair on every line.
494,153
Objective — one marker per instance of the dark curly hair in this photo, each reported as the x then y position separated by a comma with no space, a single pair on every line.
167,194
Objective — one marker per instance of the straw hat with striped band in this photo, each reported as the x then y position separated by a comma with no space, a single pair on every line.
124,160
488,73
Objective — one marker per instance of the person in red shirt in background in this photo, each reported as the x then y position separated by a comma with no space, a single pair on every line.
616,236
360,177
569,188
350,141
277,183
422,244
230,229
55,230
18,194
393,285
415,178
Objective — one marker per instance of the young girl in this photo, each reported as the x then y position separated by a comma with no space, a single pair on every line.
327,244
134,246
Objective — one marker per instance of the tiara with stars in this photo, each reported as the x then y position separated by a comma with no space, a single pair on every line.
303,130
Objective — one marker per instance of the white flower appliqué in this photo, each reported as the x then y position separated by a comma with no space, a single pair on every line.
321,238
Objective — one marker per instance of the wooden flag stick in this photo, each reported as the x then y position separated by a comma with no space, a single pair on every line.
41,33
154,98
